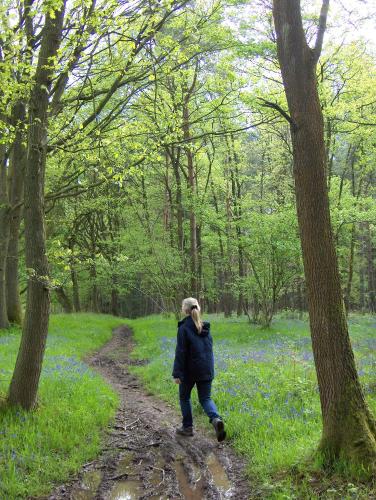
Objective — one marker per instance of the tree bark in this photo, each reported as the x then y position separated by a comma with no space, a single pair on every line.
255,309
362,295
349,428
356,193
371,273
236,189
200,264
64,300
114,302
192,214
24,384
347,297
4,235
16,187
228,275
76,292
94,287
175,159
299,299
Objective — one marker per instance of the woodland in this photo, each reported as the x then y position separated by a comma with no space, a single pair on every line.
156,149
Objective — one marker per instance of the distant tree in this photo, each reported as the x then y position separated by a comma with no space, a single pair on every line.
272,250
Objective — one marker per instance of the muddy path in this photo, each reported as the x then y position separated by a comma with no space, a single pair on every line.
143,458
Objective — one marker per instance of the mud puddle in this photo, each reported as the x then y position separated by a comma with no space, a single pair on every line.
126,490
124,464
219,475
88,486
188,490
142,457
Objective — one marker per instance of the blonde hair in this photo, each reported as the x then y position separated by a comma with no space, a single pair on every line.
191,306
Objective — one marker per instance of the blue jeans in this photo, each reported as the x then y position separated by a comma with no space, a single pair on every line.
204,392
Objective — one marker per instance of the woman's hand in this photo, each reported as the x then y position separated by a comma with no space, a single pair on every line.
177,380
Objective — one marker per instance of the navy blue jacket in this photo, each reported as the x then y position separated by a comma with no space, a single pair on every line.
194,360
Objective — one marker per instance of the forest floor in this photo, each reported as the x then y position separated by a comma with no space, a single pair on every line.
143,457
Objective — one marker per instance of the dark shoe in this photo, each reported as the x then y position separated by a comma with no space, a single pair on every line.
219,427
185,431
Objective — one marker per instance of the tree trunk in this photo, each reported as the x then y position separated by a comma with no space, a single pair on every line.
4,235
267,312
76,292
347,297
255,309
200,277
114,302
237,208
24,384
175,158
16,187
299,299
223,274
74,279
362,295
239,235
64,300
192,214
94,287
349,429
371,273
222,278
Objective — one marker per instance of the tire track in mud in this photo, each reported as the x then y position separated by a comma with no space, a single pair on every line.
143,458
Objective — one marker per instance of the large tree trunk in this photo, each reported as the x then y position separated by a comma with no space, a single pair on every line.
348,427
24,384
16,187
4,235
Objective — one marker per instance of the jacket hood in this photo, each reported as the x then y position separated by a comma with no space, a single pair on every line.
190,324
205,328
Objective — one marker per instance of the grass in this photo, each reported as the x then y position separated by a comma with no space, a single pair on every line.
43,447
266,389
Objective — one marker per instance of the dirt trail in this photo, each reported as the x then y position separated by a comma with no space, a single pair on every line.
143,458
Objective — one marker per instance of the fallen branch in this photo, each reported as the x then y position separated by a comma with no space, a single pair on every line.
163,474
131,424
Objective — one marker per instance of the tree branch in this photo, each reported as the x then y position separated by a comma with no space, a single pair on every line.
321,30
218,133
277,107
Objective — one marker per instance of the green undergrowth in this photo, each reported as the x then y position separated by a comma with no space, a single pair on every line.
266,389
41,448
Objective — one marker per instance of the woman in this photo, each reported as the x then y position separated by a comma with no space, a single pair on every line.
194,364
